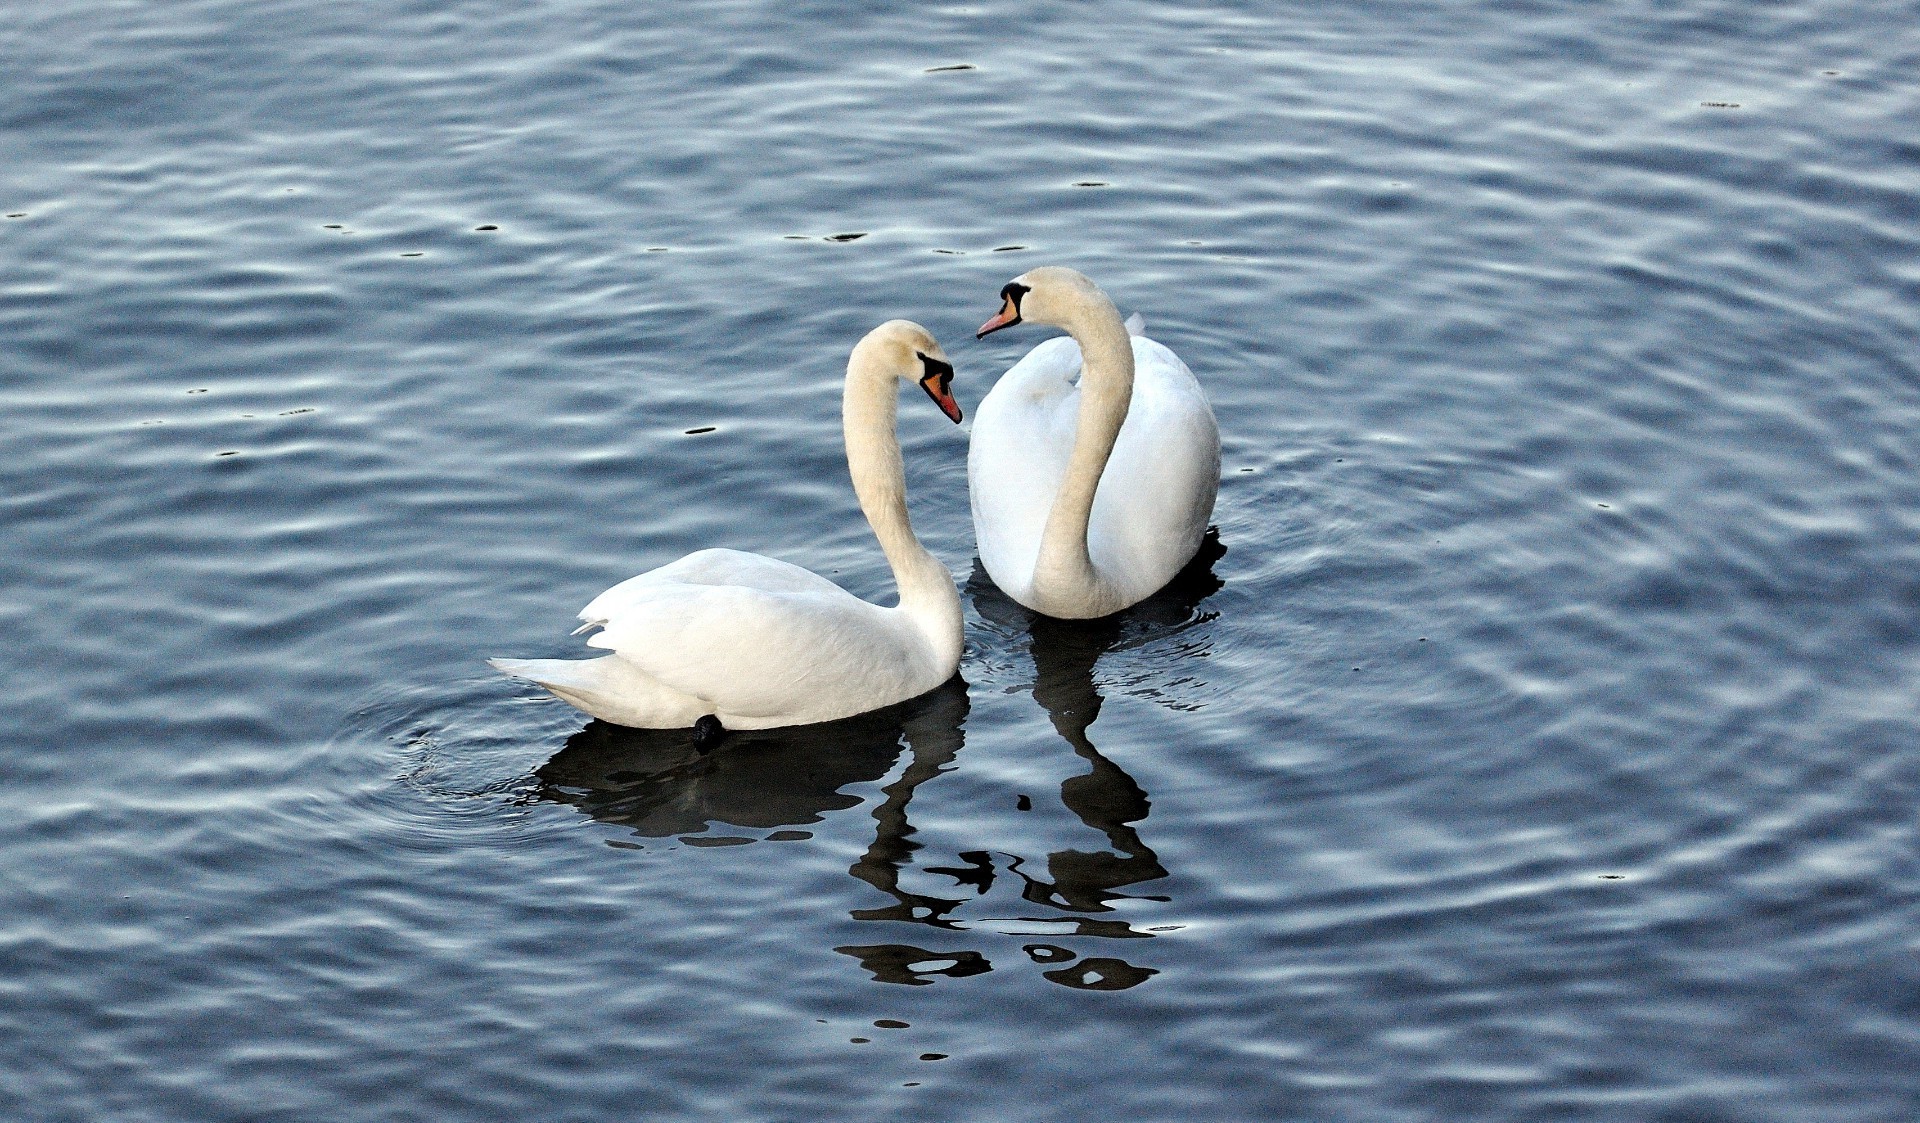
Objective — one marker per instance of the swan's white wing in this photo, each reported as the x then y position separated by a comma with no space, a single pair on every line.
1017,457
769,656
1158,490
708,567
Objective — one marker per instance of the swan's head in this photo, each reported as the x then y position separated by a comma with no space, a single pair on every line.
1047,295
905,349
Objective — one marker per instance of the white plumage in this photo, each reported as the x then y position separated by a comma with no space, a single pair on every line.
759,643
1089,496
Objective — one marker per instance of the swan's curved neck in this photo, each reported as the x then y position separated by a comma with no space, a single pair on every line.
1106,390
927,592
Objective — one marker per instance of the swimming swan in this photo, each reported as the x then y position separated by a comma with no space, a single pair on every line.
725,640
1088,498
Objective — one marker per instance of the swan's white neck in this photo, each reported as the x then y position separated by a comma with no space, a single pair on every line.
1065,581
927,593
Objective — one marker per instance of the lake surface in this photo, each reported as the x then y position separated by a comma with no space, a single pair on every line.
1540,740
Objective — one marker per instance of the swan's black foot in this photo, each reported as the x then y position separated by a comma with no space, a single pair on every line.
708,733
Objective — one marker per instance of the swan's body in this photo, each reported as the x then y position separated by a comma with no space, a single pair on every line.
759,643
1089,497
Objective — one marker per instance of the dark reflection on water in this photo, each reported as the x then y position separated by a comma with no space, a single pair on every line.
655,783
934,747
1106,798
915,966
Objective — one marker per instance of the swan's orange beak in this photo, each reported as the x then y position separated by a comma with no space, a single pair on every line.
1009,316
938,378
937,390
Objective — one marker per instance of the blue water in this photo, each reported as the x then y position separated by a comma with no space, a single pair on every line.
1540,740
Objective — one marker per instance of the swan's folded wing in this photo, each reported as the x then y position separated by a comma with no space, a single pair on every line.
1017,456
757,651
1158,490
709,567
1046,372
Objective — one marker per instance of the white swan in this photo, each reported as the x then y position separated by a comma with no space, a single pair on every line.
1088,498
728,640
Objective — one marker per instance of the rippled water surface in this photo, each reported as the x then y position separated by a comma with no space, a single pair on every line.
1537,741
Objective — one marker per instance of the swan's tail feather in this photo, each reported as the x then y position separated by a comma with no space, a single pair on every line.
1136,324
529,669
567,678
609,688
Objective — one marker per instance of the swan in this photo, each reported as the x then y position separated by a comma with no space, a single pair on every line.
1088,498
723,640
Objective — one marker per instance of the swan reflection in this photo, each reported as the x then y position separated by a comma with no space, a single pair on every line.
658,786
655,782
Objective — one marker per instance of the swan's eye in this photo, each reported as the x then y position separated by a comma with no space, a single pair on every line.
938,373
935,382
1013,292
